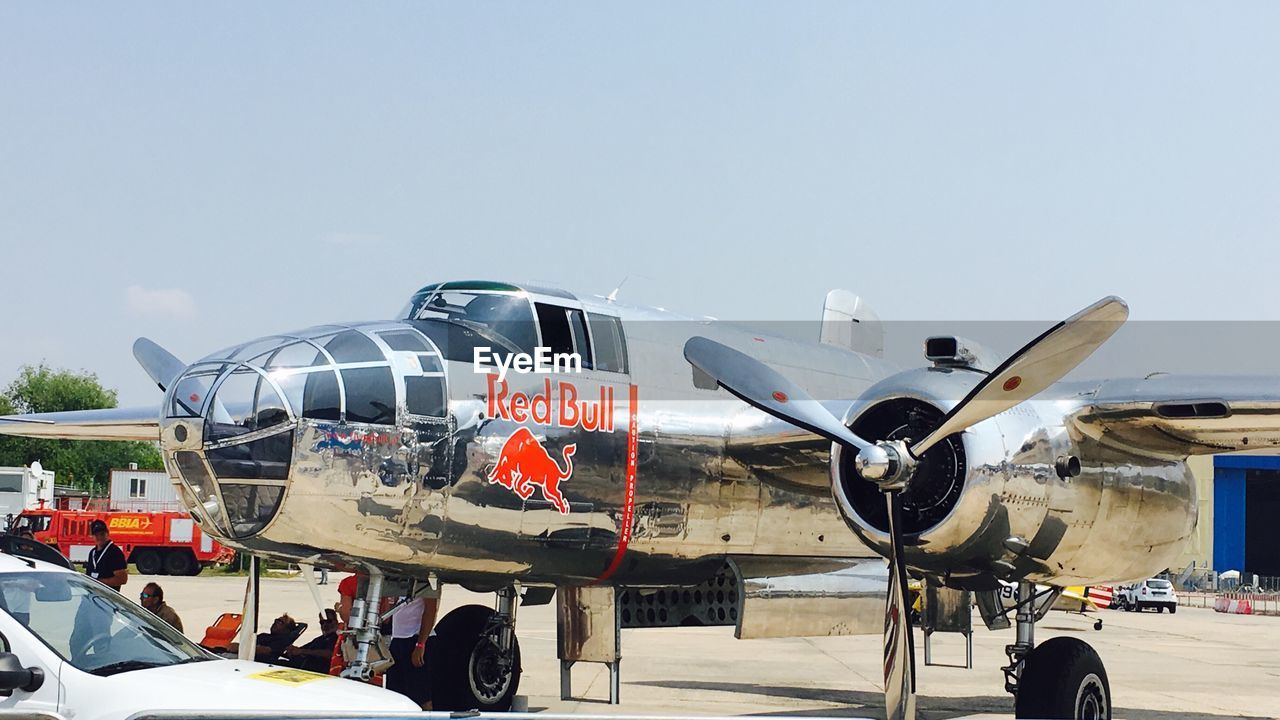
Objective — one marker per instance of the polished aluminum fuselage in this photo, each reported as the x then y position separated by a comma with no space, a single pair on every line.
711,478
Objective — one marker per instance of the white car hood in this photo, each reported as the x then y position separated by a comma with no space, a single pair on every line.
221,685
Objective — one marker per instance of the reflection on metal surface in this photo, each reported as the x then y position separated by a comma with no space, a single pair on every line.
849,601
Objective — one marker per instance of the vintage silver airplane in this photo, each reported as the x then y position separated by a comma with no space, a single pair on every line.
424,450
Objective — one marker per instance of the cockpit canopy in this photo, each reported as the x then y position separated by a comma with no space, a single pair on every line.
250,398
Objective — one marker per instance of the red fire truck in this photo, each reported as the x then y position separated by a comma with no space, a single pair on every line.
157,543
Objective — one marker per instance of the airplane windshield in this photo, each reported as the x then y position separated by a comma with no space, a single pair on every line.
507,315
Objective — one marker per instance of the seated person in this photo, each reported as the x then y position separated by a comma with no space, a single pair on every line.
270,645
315,655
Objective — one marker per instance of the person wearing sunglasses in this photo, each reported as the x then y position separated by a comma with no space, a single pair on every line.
152,598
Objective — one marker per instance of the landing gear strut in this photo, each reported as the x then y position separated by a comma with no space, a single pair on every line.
1062,678
364,624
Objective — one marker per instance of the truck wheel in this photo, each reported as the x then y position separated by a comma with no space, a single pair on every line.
1063,679
147,561
178,562
468,669
196,567
1173,609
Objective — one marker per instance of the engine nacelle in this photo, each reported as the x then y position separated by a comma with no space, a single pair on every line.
1021,495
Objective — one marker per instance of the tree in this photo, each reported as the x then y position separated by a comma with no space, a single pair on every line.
39,389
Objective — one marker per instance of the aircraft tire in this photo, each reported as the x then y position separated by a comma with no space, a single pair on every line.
465,664
178,562
148,562
1063,679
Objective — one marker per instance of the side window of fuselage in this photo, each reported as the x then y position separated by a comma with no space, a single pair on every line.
610,343
564,330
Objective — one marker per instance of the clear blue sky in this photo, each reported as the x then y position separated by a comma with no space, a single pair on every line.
266,166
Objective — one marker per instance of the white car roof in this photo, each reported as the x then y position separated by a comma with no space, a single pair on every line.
14,563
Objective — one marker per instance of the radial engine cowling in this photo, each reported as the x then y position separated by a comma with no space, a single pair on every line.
1019,495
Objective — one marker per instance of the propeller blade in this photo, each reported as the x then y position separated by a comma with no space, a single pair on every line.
160,364
763,387
1039,364
899,649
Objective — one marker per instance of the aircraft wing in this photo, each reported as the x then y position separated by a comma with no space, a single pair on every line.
108,424
1181,415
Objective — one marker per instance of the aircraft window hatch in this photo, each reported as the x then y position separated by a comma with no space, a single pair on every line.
244,402
610,344
191,392
564,330
402,341
262,459
293,355
425,396
321,398
353,347
251,507
371,395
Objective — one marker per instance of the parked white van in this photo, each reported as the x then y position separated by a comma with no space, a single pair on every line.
73,646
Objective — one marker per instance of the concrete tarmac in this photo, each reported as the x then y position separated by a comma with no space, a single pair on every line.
1195,664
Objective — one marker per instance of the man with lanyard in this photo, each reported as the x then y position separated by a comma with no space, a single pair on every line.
107,565
106,561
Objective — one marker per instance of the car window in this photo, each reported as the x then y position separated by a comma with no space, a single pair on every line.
90,626
1159,584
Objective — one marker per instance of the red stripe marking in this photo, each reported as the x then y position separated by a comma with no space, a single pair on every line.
629,500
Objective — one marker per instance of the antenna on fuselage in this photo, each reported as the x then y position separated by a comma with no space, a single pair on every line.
613,296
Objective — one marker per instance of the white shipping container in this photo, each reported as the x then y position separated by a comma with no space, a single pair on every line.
143,491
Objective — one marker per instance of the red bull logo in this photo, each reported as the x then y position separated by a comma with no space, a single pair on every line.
524,464
557,404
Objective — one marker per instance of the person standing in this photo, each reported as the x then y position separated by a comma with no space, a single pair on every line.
153,599
410,627
106,561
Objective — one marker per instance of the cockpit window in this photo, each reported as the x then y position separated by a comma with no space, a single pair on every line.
507,315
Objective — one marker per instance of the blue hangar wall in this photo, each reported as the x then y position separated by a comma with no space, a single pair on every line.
1246,513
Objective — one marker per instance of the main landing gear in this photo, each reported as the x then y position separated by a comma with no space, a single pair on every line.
473,654
1061,678
475,657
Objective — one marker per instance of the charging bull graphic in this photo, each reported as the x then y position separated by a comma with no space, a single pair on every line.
524,463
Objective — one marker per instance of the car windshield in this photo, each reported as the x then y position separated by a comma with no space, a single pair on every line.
92,627
1159,584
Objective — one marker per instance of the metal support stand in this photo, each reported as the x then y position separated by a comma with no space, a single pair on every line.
1026,636
365,623
947,610
589,631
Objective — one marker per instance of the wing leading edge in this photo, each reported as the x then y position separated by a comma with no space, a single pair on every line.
109,424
